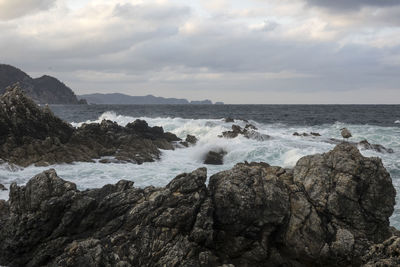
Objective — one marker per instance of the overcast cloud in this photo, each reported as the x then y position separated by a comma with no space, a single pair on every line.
277,51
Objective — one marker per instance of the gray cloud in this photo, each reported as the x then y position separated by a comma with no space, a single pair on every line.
166,50
347,5
17,8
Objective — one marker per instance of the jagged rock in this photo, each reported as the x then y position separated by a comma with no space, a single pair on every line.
215,158
315,134
250,126
247,132
32,135
3,188
331,209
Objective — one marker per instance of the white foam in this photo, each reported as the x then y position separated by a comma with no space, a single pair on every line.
398,121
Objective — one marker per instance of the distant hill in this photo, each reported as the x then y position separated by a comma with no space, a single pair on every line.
122,99
45,90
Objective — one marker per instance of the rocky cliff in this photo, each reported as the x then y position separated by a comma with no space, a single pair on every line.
46,89
30,134
331,209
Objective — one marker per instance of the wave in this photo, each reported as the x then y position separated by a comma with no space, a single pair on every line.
398,121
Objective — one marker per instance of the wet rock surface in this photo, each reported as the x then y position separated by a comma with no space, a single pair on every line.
364,145
33,135
331,209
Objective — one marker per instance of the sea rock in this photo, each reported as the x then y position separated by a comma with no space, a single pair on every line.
190,140
215,157
364,145
32,135
331,209
229,119
3,188
247,132
306,134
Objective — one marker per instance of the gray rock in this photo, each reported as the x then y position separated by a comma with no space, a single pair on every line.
3,188
332,209
215,157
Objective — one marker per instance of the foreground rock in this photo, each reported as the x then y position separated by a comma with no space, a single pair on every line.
330,210
32,135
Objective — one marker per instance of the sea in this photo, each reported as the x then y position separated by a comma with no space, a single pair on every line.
379,124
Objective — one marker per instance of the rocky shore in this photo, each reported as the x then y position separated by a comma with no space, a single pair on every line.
331,209
30,134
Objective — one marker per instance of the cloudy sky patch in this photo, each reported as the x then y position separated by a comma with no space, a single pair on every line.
276,51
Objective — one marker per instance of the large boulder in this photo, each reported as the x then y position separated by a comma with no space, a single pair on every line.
331,209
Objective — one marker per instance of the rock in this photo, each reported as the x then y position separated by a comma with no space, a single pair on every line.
191,139
331,209
364,144
250,126
215,158
33,135
3,188
306,134
247,132
229,120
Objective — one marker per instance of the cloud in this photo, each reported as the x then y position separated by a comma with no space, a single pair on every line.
11,9
348,5
218,50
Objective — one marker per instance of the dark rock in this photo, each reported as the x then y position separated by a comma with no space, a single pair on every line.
32,135
306,134
215,158
3,188
229,120
250,126
364,144
191,139
247,132
332,209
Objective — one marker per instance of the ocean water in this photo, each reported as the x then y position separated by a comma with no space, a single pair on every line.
378,124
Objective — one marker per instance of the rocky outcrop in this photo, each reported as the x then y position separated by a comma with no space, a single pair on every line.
3,188
215,157
46,89
331,209
364,145
249,132
32,135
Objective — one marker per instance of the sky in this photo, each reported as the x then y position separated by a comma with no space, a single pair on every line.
243,52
